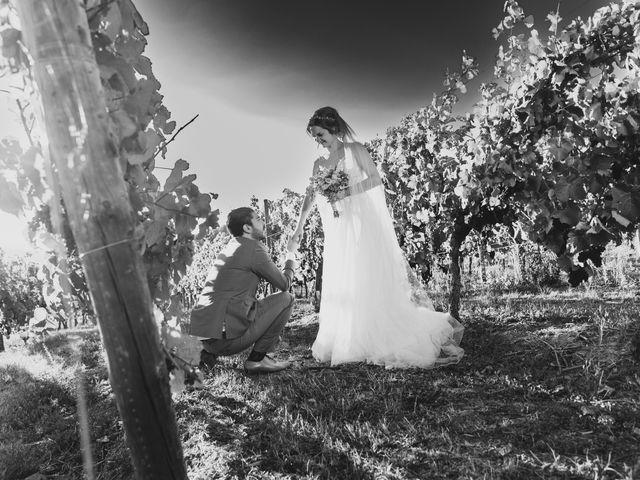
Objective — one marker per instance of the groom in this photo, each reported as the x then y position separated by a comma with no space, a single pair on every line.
227,316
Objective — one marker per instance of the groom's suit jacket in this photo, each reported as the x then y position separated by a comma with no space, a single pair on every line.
227,305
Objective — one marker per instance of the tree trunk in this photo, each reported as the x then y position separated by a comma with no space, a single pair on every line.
522,262
1,342
483,260
458,236
455,283
90,174
267,225
317,287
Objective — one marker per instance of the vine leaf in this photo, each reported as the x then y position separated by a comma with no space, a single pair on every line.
620,219
570,215
627,203
10,198
175,177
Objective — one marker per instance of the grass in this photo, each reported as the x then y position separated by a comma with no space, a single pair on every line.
547,389
39,429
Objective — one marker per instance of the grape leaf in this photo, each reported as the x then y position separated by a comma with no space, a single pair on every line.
570,215
620,219
175,177
10,198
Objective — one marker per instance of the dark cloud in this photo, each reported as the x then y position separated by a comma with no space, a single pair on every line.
396,50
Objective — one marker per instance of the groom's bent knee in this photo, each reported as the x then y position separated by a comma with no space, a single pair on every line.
286,299
279,301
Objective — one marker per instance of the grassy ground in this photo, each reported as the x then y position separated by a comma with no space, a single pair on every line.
547,389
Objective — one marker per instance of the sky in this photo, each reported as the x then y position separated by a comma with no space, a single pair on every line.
255,70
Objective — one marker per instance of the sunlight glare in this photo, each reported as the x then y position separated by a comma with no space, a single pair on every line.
14,240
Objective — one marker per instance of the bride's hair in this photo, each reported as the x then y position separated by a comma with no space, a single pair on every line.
329,119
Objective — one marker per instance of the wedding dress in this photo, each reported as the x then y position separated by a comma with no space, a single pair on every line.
372,307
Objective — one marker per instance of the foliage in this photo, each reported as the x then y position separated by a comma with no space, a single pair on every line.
64,287
20,292
311,248
553,144
557,133
620,267
423,163
169,214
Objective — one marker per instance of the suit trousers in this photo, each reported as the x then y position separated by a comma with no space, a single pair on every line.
272,314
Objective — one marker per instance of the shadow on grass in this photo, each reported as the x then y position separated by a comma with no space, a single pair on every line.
291,449
244,438
68,347
533,397
39,423
34,427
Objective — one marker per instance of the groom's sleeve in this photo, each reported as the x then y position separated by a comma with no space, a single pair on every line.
264,267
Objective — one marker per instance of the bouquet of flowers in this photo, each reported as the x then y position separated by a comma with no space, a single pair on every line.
329,182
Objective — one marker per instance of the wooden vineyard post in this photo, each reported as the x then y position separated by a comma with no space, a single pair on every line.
455,282
74,115
267,232
267,229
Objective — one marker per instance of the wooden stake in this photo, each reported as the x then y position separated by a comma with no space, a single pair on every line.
75,118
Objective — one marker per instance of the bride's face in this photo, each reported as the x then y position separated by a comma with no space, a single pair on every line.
323,137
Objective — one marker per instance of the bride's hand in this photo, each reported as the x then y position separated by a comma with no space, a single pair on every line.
344,193
294,243
296,238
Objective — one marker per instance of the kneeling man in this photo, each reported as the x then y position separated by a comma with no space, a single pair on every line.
227,313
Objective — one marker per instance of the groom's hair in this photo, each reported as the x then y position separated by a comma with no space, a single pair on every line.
237,219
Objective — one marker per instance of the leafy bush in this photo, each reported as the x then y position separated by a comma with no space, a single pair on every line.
20,292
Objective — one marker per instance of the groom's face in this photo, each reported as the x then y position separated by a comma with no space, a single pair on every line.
257,227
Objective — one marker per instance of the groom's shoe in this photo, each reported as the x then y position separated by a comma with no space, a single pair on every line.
266,365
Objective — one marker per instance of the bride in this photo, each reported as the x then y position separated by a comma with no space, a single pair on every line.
372,309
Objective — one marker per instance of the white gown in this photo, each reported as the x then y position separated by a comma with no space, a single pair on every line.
370,309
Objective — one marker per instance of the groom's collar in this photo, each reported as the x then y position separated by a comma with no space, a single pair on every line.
242,239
